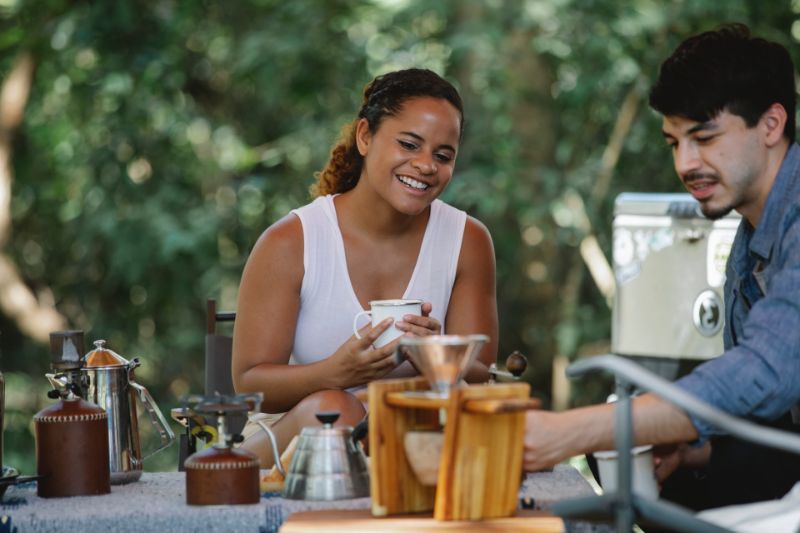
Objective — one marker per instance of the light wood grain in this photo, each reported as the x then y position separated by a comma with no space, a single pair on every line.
424,453
480,469
507,405
394,487
481,466
415,399
273,481
360,520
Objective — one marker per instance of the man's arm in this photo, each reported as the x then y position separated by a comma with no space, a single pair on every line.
552,437
759,378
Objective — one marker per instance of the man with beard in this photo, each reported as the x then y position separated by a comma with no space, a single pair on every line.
728,105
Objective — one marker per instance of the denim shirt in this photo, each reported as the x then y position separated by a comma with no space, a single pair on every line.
758,376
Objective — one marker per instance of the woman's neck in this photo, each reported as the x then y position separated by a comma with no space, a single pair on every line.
362,208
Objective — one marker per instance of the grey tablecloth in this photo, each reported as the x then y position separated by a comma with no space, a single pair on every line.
157,503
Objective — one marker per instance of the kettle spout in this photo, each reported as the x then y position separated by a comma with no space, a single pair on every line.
274,444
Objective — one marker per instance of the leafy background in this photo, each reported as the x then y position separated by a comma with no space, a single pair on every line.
161,137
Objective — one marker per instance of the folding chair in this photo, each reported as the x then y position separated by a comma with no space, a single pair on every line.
217,380
624,505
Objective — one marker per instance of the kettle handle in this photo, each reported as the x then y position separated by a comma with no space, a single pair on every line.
158,420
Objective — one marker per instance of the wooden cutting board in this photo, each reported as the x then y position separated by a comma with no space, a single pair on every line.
362,520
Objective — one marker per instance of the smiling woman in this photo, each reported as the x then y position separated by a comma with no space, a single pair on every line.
376,231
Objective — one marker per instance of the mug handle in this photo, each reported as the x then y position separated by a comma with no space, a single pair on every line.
355,321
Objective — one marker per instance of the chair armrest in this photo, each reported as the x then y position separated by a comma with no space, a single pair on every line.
634,374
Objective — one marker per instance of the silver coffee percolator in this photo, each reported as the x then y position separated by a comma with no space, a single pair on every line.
112,386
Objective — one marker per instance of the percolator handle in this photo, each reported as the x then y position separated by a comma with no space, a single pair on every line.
158,420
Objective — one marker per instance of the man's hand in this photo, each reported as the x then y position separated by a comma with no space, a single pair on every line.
544,443
669,457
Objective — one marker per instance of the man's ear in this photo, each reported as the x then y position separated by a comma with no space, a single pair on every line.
363,136
773,122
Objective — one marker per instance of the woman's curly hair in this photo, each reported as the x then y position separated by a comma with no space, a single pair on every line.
383,97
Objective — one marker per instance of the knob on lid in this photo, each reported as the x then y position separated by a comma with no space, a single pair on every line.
102,356
327,418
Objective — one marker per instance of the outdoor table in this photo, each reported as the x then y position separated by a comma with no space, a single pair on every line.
157,502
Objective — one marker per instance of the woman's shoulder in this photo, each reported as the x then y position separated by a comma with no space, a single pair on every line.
320,205
286,227
282,238
476,233
477,257
276,259
476,236
289,229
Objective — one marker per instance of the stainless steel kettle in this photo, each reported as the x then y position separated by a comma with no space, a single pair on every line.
111,385
327,464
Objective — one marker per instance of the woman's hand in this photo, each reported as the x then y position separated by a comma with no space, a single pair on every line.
357,362
420,326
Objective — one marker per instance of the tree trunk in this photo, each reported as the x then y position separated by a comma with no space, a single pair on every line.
33,317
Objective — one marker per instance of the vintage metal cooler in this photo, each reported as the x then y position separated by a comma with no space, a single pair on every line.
669,265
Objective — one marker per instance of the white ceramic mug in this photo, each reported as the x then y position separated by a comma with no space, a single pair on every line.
381,309
644,477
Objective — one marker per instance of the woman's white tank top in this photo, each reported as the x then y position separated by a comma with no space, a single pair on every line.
328,302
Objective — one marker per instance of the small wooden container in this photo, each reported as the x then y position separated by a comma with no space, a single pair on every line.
72,449
222,476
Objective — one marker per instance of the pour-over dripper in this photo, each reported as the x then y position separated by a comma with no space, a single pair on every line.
442,359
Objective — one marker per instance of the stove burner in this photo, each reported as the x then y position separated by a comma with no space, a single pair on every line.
10,477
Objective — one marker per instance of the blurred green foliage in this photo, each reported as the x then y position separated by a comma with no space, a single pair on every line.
161,137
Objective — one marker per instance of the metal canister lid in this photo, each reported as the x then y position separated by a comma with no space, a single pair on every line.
103,357
66,349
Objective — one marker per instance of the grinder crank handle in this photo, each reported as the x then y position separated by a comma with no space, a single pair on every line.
158,420
516,364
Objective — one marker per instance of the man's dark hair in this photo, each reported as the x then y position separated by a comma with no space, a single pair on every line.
726,70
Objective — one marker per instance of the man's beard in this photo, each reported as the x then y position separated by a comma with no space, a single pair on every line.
715,213
709,212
